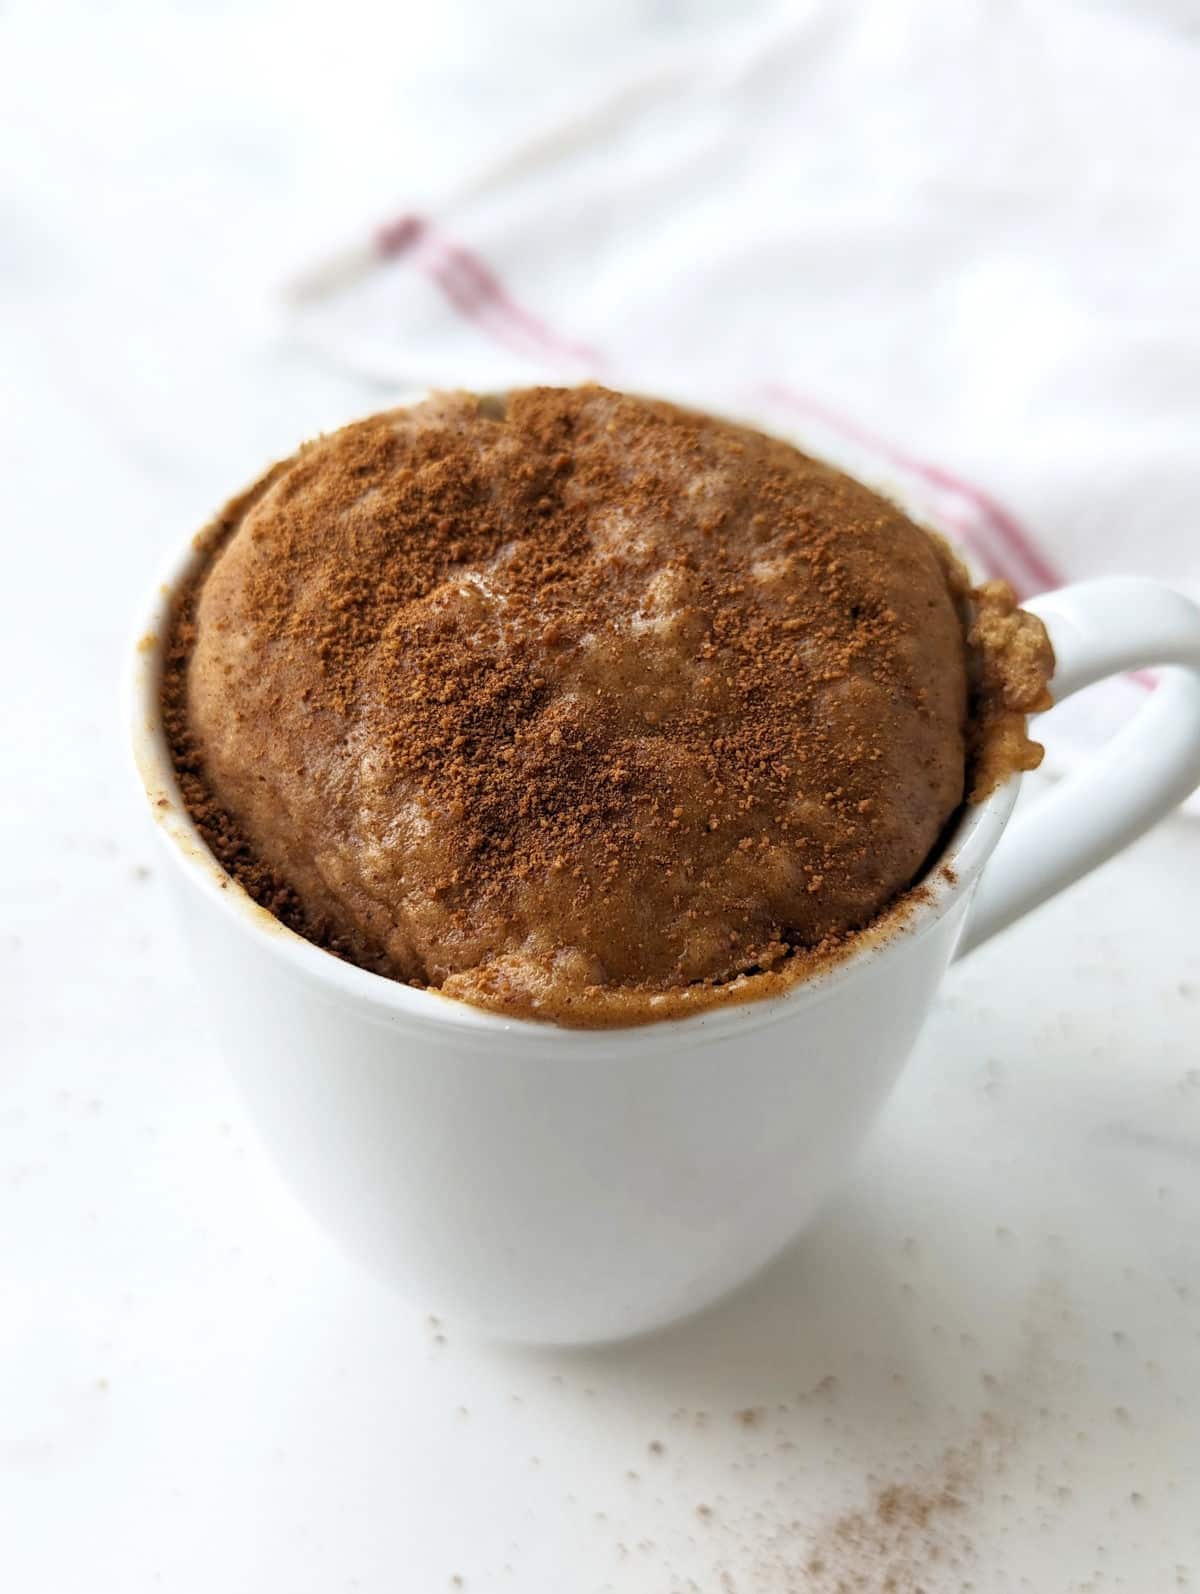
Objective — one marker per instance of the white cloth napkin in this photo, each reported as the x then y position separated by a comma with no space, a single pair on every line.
954,247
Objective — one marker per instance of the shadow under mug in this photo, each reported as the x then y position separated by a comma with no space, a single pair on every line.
557,1186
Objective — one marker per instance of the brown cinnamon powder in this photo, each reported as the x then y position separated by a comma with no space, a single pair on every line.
583,706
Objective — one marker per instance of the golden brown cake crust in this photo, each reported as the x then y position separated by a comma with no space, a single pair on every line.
581,705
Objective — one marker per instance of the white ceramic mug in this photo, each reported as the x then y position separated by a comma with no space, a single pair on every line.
560,1185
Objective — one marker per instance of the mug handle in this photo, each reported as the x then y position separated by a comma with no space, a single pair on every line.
1102,628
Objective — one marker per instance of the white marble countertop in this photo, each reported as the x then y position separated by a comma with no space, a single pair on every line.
197,1393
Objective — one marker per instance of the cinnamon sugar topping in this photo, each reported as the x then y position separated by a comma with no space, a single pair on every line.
583,706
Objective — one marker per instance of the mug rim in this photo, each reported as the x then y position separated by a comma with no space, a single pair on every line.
949,878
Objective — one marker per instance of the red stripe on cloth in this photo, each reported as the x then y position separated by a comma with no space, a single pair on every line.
395,237
464,297
490,292
1035,562
476,291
